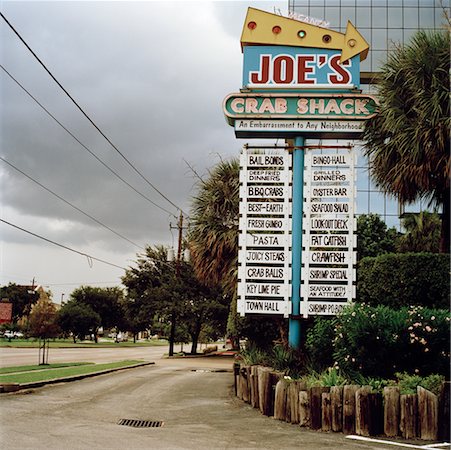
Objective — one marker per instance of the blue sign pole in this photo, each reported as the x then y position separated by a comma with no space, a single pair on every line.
294,330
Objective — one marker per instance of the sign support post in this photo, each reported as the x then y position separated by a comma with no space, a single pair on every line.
294,330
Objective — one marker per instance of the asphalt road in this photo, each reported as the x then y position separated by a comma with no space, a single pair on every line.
194,401
24,356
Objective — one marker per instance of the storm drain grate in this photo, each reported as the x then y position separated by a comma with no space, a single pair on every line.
137,423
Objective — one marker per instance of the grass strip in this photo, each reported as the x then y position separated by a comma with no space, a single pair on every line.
34,376
14,369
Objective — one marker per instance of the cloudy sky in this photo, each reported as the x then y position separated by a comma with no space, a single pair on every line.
152,76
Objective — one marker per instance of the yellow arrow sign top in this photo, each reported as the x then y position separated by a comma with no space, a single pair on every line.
263,28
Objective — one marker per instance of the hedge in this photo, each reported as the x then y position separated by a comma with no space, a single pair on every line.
395,280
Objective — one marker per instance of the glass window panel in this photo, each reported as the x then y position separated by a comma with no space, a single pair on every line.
426,17
379,58
365,66
394,17
392,221
391,206
362,161
333,16
317,12
427,2
363,183
394,37
347,13
379,39
408,35
362,206
410,3
415,207
379,17
363,18
333,3
396,2
377,203
439,17
348,2
410,17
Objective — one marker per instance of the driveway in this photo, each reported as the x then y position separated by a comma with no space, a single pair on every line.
193,400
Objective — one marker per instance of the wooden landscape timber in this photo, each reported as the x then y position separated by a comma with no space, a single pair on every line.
350,409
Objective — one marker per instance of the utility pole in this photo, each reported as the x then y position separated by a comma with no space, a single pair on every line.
177,275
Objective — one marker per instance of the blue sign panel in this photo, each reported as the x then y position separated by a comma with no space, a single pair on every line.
287,68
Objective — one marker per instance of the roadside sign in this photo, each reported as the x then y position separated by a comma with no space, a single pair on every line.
264,255
329,255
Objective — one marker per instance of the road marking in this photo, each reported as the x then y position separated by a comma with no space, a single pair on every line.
399,444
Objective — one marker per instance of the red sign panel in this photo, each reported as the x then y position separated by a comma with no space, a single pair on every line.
6,312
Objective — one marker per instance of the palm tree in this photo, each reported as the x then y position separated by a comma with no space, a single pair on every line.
213,237
422,233
408,141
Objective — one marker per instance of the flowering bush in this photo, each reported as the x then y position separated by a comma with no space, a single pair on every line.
379,341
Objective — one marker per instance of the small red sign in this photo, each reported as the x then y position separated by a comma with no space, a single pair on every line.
6,312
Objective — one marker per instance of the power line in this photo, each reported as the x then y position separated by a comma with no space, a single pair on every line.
70,204
83,145
62,246
87,117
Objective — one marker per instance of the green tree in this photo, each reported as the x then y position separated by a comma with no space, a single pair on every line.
43,324
408,140
176,299
78,319
213,238
374,238
21,298
106,302
422,233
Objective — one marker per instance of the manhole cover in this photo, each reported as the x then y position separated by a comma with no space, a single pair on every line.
138,423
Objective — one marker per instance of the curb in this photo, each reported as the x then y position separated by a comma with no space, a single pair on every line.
37,384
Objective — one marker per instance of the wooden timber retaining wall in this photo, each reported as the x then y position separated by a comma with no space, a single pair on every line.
349,409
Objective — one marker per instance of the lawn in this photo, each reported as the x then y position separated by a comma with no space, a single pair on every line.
69,343
14,369
45,373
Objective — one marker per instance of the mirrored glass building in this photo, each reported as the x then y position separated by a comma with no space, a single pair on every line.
384,24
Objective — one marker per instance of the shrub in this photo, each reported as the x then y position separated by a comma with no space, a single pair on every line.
319,343
408,383
328,378
252,355
397,280
379,341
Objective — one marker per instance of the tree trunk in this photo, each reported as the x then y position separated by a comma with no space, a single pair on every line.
172,335
195,335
